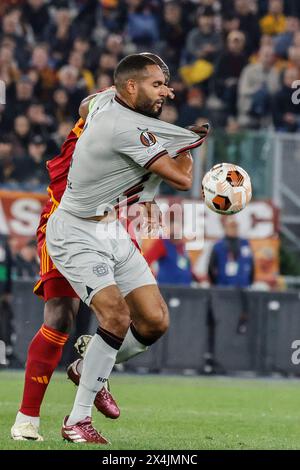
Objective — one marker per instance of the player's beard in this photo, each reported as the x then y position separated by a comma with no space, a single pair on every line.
147,107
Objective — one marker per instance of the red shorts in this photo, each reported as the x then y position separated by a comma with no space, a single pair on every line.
51,283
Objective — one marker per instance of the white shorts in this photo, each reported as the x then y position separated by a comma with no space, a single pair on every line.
92,255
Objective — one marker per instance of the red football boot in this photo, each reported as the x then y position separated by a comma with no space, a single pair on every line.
104,401
83,431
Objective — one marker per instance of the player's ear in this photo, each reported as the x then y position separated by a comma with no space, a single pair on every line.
131,86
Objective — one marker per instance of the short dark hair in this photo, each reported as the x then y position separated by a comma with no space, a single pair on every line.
158,60
131,67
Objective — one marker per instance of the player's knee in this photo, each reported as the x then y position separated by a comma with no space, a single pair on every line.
113,314
60,313
161,323
158,322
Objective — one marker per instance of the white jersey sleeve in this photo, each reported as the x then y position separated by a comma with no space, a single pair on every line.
139,144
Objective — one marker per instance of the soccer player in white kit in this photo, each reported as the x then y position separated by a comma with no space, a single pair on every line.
122,155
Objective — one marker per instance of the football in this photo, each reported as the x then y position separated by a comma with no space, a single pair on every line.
226,188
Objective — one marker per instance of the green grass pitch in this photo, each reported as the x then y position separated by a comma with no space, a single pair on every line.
170,412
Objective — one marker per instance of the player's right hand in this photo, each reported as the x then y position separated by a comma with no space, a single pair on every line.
202,130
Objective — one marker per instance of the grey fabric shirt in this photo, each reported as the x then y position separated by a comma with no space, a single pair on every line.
112,156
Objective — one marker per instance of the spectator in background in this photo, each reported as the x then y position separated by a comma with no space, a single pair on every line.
141,24
68,79
228,69
274,22
60,34
194,107
36,14
26,264
174,266
60,106
231,22
21,100
32,169
283,41
286,113
248,24
7,165
257,84
230,265
41,61
86,79
21,135
203,42
173,31
231,261
6,313
41,121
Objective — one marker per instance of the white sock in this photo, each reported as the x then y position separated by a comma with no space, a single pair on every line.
130,347
97,364
21,418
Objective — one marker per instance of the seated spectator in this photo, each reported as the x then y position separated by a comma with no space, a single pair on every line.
21,135
286,113
42,62
41,121
274,22
228,68
194,108
36,13
32,168
86,79
26,264
141,25
60,105
23,97
7,332
68,79
248,24
173,31
7,165
258,82
59,33
283,41
231,22
203,42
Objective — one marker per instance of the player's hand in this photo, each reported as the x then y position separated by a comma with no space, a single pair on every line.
202,130
171,93
152,218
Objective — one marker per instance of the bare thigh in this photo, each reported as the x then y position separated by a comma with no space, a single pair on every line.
111,310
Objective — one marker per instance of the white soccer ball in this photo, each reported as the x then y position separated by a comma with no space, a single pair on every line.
226,188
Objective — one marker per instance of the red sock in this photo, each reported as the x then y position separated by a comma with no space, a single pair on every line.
44,354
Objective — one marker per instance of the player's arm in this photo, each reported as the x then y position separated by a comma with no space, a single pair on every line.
87,103
85,106
177,172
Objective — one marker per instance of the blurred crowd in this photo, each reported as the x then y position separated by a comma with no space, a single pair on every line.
232,62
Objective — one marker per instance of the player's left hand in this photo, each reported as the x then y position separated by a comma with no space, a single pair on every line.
152,218
202,130
171,93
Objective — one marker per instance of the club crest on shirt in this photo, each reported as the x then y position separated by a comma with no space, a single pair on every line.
100,269
148,139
